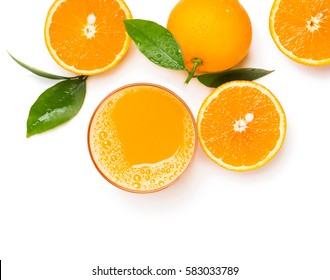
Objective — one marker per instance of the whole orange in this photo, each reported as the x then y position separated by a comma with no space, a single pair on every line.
218,32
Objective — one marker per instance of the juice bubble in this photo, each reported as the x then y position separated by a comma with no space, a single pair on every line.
136,185
106,144
103,135
137,177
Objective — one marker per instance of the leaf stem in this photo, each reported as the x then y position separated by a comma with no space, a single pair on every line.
83,77
197,62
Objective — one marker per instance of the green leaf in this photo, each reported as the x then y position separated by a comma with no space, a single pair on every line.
218,78
56,105
39,72
156,43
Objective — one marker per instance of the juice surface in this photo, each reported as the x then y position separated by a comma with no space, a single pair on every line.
142,137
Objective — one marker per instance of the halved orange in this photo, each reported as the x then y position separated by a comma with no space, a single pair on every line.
87,37
301,30
241,125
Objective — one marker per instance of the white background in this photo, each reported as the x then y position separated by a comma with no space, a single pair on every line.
60,218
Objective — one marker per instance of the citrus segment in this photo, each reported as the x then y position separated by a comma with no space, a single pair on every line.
87,37
241,125
218,32
300,30
142,138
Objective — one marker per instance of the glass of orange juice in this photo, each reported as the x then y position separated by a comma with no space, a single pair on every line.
142,137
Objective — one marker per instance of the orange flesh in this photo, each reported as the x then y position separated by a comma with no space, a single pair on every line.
68,33
253,144
142,137
303,28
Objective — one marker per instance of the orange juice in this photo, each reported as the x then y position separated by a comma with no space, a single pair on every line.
142,137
